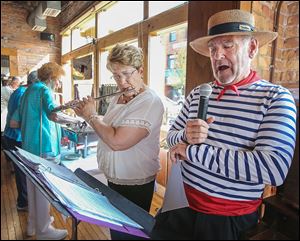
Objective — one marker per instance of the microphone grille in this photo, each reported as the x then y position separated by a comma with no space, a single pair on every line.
205,90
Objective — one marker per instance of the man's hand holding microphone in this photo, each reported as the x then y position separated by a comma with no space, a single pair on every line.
196,130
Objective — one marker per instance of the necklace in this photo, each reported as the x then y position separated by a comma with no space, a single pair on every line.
125,101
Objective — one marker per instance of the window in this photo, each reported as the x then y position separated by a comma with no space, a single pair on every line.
83,33
172,37
156,7
9,61
5,65
105,74
82,73
66,42
171,61
168,70
119,15
67,82
163,72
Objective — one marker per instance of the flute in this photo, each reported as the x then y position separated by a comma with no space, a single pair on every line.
74,103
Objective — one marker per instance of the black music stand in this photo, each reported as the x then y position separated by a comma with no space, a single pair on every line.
142,218
45,191
133,211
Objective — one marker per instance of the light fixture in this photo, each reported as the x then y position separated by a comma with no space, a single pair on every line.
36,20
51,8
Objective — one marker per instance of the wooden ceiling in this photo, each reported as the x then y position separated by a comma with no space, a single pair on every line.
31,5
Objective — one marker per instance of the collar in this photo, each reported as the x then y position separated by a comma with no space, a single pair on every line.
252,77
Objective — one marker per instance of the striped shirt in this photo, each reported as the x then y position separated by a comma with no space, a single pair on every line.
250,143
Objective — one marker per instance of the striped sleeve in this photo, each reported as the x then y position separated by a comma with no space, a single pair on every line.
269,160
176,134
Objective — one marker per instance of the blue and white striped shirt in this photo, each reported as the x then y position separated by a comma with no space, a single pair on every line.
250,143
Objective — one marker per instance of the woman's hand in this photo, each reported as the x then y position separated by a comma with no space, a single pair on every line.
72,103
86,107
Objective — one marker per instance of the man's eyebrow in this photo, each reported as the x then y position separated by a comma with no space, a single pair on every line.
227,41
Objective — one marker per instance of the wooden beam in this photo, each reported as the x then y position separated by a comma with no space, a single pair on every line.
122,35
77,53
144,44
166,19
96,66
146,10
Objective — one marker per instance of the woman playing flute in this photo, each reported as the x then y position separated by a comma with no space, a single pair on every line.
128,148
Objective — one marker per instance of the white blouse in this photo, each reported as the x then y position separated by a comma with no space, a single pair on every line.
6,92
140,163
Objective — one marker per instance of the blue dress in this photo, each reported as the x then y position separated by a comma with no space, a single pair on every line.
40,135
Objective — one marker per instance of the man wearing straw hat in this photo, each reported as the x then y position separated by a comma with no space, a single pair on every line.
246,142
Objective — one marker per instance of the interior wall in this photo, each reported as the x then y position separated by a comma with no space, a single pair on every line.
16,34
286,68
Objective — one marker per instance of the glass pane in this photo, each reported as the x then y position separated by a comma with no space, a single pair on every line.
66,43
67,82
83,76
156,7
4,65
119,15
83,33
168,70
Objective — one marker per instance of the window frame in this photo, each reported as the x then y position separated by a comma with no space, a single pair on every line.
141,31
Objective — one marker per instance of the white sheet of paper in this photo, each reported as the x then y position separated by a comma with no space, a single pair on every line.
175,197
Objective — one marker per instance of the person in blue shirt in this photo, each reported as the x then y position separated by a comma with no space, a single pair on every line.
12,139
41,135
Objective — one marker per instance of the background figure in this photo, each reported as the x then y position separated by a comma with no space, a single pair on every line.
12,138
4,80
128,148
76,92
42,140
247,141
6,92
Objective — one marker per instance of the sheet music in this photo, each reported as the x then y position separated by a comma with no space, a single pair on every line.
39,164
87,201
74,193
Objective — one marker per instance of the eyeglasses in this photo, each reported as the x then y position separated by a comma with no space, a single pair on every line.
126,75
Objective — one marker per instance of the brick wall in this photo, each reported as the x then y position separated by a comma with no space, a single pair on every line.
287,56
31,51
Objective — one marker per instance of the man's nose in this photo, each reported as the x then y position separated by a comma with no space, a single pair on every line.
219,53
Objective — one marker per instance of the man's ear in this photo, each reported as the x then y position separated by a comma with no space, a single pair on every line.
253,47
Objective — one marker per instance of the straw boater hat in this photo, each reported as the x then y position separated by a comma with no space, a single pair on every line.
231,22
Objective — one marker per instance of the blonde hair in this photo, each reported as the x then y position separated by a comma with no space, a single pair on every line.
50,71
128,55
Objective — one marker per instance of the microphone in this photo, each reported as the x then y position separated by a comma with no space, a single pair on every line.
205,91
